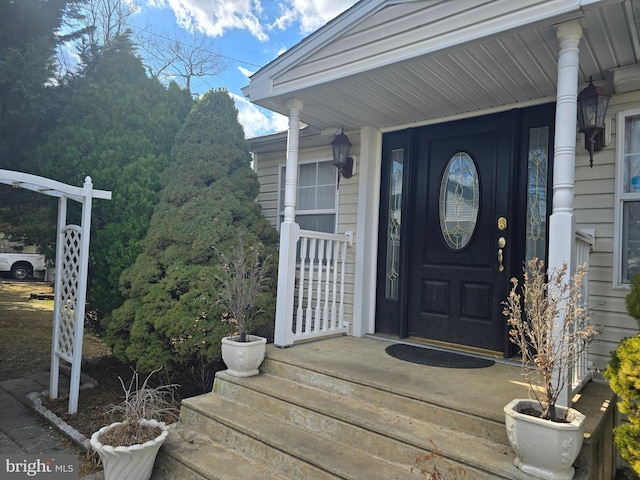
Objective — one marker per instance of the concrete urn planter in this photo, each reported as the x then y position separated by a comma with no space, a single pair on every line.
243,358
544,449
130,463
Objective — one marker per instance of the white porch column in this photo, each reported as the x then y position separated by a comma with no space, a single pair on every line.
562,221
289,233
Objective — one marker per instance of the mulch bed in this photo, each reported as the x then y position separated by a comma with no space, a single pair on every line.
93,402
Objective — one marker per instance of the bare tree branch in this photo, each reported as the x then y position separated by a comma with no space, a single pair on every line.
183,56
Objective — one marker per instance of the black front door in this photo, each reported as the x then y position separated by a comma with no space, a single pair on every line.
459,234
462,206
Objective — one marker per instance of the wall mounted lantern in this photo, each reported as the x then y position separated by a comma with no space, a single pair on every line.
341,159
592,108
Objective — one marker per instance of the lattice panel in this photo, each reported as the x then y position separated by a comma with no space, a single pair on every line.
69,289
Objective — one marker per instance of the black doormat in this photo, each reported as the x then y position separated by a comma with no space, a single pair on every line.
435,358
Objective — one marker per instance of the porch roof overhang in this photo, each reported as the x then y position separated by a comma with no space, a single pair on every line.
389,63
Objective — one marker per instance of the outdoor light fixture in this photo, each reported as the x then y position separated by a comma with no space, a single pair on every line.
341,159
592,108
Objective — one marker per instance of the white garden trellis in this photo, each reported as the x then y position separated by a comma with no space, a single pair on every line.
72,260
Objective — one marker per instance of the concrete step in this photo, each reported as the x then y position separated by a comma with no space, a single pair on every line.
295,453
188,455
343,409
381,432
426,406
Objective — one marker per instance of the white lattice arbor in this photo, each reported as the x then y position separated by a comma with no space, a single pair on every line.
72,260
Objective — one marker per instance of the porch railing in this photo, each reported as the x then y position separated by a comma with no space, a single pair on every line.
582,372
315,303
320,285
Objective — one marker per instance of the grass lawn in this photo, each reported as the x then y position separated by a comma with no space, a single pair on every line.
26,330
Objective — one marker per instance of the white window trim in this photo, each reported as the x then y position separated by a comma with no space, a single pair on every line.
620,198
280,212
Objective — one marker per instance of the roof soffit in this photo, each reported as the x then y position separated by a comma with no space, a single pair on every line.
388,70
376,34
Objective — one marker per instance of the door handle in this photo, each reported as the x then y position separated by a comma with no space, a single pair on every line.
501,244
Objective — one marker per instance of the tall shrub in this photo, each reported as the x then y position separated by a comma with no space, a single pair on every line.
171,316
118,127
623,373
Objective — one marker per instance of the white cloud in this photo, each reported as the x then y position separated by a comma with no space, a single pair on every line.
214,17
257,121
245,71
310,15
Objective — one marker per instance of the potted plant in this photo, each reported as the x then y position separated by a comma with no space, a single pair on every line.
242,279
550,326
128,448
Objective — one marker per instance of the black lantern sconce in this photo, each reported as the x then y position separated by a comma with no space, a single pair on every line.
592,108
341,159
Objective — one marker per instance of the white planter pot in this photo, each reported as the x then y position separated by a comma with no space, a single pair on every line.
130,463
544,449
243,358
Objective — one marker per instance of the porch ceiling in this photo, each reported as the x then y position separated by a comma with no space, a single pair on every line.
505,69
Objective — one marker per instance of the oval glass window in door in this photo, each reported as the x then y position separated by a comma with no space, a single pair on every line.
459,201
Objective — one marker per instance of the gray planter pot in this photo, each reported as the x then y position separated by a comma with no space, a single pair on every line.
243,358
544,449
130,463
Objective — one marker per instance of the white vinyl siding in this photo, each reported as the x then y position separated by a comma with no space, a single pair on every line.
269,167
595,208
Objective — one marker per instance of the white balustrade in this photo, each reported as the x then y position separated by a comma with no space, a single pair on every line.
581,373
320,285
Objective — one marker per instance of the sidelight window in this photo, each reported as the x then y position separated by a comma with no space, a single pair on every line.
537,174
393,225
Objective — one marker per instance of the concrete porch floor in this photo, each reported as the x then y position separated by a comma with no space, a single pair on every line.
481,392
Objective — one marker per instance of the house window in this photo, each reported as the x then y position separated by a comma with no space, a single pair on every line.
628,197
316,196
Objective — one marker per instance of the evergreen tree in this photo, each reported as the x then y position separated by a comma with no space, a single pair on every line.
118,128
29,95
171,317
623,373
28,43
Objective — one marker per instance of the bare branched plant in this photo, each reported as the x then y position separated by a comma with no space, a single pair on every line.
243,277
141,402
433,466
551,326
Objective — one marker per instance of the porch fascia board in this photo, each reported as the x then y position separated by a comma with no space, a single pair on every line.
261,82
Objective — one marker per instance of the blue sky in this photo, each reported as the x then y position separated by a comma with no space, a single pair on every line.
249,33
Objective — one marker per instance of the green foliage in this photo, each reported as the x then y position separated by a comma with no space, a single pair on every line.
632,300
27,64
171,316
623,373
118,127
29,102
